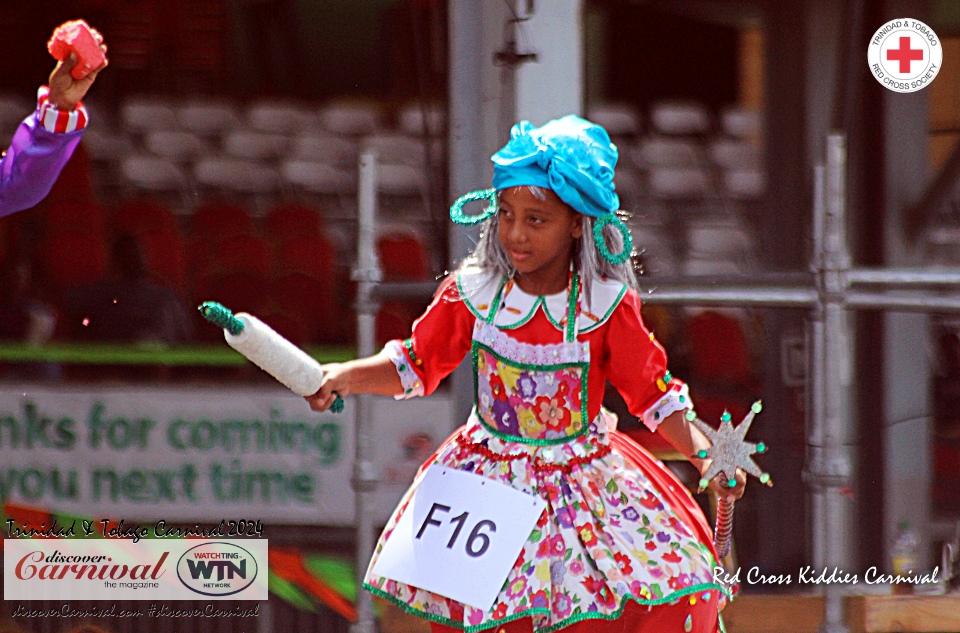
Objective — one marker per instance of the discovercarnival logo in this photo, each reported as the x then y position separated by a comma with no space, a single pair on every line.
217,569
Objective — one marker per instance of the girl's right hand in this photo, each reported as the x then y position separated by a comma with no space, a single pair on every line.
335,382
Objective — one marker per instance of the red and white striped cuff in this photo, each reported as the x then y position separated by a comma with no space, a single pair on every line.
54,120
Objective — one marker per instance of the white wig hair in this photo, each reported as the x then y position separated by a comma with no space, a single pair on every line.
489,254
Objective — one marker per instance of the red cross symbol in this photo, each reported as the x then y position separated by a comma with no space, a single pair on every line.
905,54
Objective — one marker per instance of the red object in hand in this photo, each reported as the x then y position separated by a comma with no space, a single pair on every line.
76,36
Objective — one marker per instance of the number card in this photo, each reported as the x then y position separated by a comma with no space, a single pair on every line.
460,536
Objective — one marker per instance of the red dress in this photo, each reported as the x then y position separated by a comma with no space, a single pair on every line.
622,545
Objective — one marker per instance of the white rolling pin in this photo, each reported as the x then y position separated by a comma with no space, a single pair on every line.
277,356
269,351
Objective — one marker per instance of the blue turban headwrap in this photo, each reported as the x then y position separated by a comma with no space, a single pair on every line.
571,156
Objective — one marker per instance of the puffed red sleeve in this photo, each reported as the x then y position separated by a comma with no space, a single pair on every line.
636,365
440,339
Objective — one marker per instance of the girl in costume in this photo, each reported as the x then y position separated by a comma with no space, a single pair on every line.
547,305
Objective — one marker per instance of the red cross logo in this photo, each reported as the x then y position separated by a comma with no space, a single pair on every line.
905,54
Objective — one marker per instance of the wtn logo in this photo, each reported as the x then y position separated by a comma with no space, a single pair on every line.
217,569
225,569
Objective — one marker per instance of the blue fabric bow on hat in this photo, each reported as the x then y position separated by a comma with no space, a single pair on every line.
571,156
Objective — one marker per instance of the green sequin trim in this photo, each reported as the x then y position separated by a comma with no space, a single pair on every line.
530,315
584,420
407,343
495,303
572,300
601,242
606,316
559,625
459,217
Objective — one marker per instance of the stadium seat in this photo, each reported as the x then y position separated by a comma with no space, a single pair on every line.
664,151
741,123
147,172
287,324
411,117
680,118
403,256
216,219
241,254
310,300
208,118
288,220
139,115
106,146
176,145
278,117
394,321
319,177
618,119
734,154
77,217
351,118
312,256
679,182
326,148
718,350
254,145
236,175
744,184
140,215
72,259
164,255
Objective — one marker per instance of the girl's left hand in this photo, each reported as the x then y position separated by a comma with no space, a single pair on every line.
723,491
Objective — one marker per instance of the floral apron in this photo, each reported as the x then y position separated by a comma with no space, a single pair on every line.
609,534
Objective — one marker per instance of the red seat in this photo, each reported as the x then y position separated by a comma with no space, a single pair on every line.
395,319
290,220
215,220
73,259
288,325
139,216
313,256
718,350
403,257
240,253
165,257
721,372
311,300
75,217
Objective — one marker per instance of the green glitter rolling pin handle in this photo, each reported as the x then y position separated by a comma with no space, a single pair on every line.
269,351
728,451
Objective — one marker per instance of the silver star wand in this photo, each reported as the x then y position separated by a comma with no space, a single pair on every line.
728,451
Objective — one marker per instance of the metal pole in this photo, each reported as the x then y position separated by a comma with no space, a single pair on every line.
831,467
816,370
365,474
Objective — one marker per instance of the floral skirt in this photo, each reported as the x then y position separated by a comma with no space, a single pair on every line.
618,527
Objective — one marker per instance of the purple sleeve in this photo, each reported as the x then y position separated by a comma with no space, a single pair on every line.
32,164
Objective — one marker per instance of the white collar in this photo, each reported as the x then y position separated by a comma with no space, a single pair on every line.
478,287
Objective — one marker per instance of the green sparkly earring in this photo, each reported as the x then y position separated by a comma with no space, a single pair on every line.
457,214
601,243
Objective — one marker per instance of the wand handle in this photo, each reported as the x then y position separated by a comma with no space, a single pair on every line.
723,532
269,351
